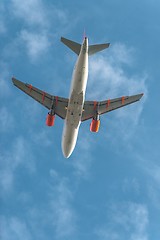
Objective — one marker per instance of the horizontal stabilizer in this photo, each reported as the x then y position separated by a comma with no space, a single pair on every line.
75,47
97,48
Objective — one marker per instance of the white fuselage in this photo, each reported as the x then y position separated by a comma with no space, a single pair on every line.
76,101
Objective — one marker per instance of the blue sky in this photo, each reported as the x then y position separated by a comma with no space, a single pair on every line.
109,187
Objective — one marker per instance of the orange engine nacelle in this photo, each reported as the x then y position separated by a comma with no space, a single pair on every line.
50,120
94,127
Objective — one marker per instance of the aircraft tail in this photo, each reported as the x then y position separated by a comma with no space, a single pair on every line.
76,47
97,48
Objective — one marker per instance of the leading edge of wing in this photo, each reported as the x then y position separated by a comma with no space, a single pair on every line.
101,107
38,95
49,101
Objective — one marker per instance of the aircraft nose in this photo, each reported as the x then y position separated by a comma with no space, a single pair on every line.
67,150
69,139
66,154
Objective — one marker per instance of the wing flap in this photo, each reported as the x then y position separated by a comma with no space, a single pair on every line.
101,107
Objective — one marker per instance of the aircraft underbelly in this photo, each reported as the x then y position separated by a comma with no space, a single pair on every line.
72,122
75,104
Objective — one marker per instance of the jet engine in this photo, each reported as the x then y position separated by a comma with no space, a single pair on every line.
94,127
50,120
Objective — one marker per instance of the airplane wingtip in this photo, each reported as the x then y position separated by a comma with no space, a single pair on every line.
13,79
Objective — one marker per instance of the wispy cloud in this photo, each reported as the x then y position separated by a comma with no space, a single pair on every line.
54,216
131,185
32,12
127,221
121,54
41,138
10,159
3,28
108,79
39,25
4,82
151,167
6,120
36,13
64,216
14,228
36,43
82,156
111,79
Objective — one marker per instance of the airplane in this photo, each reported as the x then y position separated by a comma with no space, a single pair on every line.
75,109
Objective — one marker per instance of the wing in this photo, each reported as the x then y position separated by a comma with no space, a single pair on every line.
92,107
49,101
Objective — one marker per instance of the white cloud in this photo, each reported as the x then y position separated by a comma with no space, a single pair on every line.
4,88
4,80
24,197
154,172
14,228
6,120
38,23
18,153
37,14
64,216
108,79
121,54
81,158
36,43
111,80
131,185
41,137
152,169
3,28
126,219
154,194
53,216
149,162
31,11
